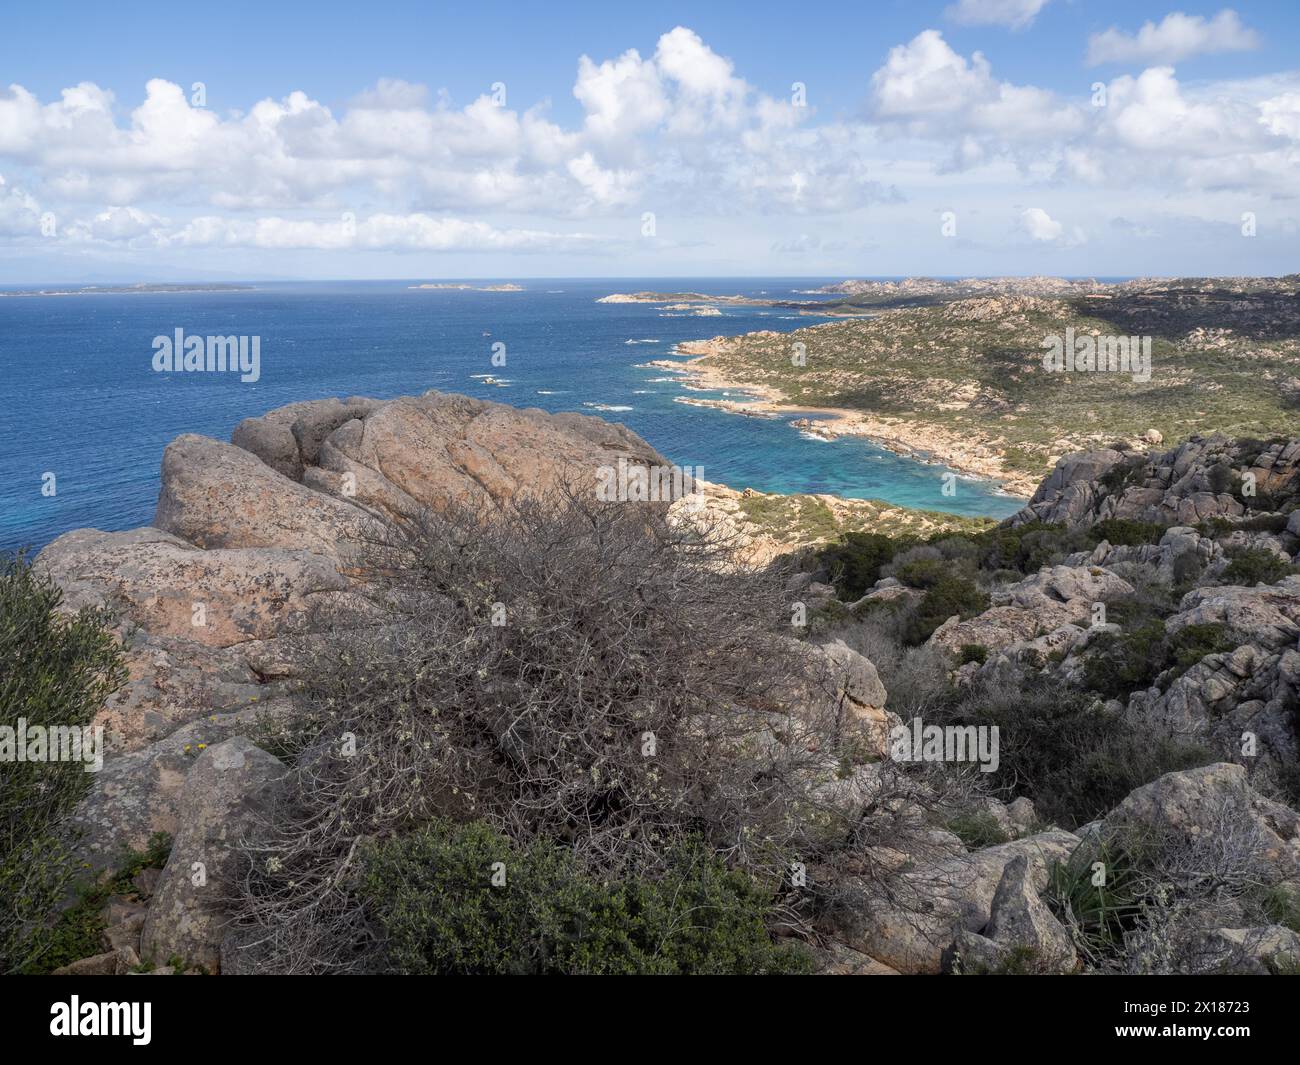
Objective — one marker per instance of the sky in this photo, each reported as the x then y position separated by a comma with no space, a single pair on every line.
165,142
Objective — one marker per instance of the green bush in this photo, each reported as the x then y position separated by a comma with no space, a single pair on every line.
1269,523
1255,565
1219,477
1060,748
55,670
1188,568
1104,913
977,829
1121,663
973,652
1193,642
1122,475
431,893
1281,904
1027,548
1122,532
947,596
923,572
855,562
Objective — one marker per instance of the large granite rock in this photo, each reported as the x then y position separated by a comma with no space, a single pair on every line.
430,449
168,587
945,897
138,793
252,537
1022,934
288,439
1049,609
224,791
1072,491
1265,615
216,495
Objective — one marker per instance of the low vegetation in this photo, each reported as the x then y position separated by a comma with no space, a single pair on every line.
56,669
464,899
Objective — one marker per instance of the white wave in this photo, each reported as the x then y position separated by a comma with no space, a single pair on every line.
605,406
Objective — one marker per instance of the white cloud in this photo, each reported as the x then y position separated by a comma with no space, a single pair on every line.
676,130
1152,113
926,77
1040,225
1015,14
378,232
1281,115
1177,37
20,214
118,224
930,90
621,96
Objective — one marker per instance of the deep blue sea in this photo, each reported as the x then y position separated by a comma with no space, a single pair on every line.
83,402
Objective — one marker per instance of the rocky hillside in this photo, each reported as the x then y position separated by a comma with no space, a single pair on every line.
957,370
1194,649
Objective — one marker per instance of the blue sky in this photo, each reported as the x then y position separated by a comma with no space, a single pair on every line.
567,139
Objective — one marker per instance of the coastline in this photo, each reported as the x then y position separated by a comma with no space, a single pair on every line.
923,443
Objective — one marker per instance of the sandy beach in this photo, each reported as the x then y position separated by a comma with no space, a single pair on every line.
958,451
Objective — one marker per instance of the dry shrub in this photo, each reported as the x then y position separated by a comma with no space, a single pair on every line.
563,670
1165,893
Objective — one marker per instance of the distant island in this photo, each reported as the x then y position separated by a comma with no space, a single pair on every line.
682,297
699,303
115,290
472,288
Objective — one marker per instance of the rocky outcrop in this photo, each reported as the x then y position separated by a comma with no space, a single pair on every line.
856,682
252,538
1181,551
951,895
1045,612
138,793
1071,492
1199,479
1266,615
167,587
289,438
1022,934
224,791
1199,804
1241,703
849,689
216,495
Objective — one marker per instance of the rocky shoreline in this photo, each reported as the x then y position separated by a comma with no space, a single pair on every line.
966,454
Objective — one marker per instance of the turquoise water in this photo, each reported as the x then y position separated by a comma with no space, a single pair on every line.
82,401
